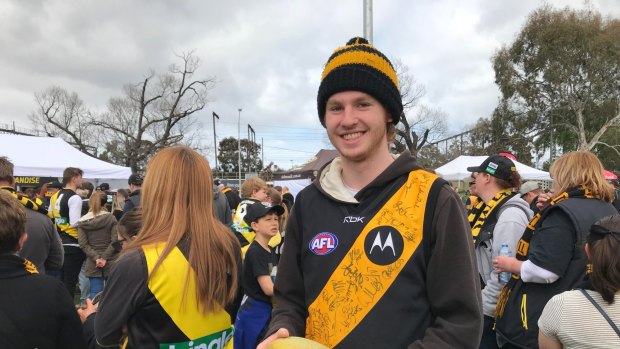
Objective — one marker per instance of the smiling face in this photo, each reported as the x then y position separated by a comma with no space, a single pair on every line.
356,125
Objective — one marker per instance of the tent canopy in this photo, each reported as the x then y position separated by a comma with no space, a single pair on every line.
298,179
456,169
49,156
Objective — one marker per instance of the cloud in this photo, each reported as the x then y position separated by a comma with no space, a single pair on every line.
267,56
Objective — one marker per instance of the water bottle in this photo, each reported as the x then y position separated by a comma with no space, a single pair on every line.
504,276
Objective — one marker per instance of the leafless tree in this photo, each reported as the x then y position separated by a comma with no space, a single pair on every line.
155,113
62,114
425,124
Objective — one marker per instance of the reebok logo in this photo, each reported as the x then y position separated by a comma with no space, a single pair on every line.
383,245
353,219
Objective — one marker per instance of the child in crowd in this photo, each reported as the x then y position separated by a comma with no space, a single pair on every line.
255,311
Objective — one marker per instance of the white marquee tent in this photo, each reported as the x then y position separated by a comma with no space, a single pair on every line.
456,169
48,157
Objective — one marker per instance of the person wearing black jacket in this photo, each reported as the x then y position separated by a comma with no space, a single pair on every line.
176,283
378,252
135,185
35,309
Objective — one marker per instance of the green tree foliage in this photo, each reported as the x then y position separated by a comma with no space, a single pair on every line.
227,155
560,77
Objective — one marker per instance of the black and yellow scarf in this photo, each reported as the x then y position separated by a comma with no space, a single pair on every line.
475,210
524,243
25,201
489,210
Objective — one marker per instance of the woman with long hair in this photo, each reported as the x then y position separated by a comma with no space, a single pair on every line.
549,257
176,283
96,235
574,319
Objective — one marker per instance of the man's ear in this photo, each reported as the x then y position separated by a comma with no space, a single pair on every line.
22,240
587,248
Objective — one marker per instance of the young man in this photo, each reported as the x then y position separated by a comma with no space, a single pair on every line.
502,221
258,266
135,186
66,208
529,192
378,251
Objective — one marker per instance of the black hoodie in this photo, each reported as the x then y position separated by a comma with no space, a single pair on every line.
433,301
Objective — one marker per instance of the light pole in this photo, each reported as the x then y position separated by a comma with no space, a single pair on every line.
368,20
214,141
239,147
251,142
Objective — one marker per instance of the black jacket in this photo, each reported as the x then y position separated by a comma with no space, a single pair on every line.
423,307
557,246
132,201
39,308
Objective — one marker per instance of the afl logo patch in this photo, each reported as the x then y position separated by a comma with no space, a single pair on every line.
323,243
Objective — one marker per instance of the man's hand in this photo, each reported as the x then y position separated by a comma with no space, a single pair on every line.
281,333
84,313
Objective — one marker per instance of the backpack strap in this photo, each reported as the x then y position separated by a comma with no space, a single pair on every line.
600,310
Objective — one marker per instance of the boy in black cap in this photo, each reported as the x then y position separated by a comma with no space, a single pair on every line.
259,264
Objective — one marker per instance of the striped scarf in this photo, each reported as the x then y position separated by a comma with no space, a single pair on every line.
497,201
475,211
25,201
524,243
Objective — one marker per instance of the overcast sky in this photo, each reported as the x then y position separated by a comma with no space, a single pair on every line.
266,55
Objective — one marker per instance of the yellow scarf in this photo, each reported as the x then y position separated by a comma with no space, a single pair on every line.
475,230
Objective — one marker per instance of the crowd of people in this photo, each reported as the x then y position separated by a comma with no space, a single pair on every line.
377,252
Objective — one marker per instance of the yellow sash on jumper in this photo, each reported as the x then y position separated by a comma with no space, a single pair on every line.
167,285
357,284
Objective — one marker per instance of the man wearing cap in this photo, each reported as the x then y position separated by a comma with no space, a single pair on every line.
529,192
135,185
502,221
378,252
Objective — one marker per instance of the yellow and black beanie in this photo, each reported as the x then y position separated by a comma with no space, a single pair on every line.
359,66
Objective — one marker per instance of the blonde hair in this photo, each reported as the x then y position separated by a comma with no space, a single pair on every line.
97,202
177,199
580,168
250,185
